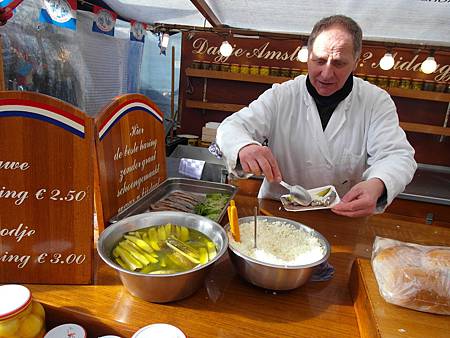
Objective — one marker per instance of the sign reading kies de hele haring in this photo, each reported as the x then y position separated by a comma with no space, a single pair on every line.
46,191
131,152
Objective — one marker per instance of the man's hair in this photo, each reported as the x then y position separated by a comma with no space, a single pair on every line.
345,22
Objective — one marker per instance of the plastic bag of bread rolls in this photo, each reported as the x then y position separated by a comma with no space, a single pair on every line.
412,275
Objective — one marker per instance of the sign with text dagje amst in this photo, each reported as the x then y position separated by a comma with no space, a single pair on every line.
131,152
46,190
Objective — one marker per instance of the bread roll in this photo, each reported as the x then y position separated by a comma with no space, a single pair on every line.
389,265
437,258
414,278
432,291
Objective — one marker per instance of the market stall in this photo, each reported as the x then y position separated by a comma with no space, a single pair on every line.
112,234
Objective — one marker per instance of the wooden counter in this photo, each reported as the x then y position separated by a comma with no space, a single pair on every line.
227,306
379,319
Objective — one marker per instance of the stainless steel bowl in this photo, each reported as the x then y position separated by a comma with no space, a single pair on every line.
166,287
271,276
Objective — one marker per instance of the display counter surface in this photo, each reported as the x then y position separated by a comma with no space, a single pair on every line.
430,184
227,306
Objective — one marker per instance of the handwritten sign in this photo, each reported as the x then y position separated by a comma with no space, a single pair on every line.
131,152
46,191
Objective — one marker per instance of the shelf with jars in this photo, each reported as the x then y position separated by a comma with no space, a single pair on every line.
400,91
234,76
398,87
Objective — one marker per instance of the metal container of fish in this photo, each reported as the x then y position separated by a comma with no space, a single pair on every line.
173,185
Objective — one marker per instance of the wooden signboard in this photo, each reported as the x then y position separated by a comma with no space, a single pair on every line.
131,152
46,190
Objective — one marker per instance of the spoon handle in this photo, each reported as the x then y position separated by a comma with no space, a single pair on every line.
284,184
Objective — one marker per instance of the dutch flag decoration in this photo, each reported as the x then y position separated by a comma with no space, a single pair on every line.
43,112
137,31
62,13
11,4
105,21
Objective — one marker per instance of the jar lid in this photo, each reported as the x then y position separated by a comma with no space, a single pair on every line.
67,331
159,330
14,298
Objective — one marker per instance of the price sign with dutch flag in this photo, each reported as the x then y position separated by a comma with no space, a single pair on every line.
46,190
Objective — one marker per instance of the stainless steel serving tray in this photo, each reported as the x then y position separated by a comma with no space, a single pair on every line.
171,185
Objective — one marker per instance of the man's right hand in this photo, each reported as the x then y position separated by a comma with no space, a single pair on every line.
259,160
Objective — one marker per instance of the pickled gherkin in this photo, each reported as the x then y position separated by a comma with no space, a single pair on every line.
163,249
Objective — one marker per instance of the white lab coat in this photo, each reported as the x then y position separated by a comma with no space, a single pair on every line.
362,139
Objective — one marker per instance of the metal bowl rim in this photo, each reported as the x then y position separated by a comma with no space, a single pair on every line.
117,267
287,267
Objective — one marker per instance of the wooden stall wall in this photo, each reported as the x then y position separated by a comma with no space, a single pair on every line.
213,87
46,190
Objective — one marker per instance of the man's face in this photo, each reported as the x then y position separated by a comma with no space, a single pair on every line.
331,60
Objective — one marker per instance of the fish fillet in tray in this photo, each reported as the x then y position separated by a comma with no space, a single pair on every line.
180,194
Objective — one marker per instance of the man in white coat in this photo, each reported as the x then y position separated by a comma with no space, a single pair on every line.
325,128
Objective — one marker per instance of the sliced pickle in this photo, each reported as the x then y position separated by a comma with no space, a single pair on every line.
203,255
140,243
132,251
129,259
135,233
168,229
323,192
153,239
162,236
184,249
152,257
178,231
122,263
184,233
180,260
212,251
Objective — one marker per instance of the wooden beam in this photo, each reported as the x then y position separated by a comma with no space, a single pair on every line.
279,35
207,12
419,94
228,107
425,128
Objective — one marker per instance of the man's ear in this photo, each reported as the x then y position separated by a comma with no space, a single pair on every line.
356,65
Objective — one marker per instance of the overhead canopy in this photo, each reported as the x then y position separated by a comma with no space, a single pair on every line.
423,22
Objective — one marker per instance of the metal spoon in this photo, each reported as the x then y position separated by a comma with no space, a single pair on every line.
301,195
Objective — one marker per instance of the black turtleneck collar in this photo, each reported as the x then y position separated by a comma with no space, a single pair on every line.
327,104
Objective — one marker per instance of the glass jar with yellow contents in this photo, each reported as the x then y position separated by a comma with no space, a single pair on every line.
383,81
264,70
244,69
254,70
405,83
235,68
20,315
394,82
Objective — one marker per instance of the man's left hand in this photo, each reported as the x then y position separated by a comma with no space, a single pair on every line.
361,200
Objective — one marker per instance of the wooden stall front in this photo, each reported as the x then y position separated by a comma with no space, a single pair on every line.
227,306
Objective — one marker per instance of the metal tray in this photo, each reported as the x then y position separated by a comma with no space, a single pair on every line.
171,185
